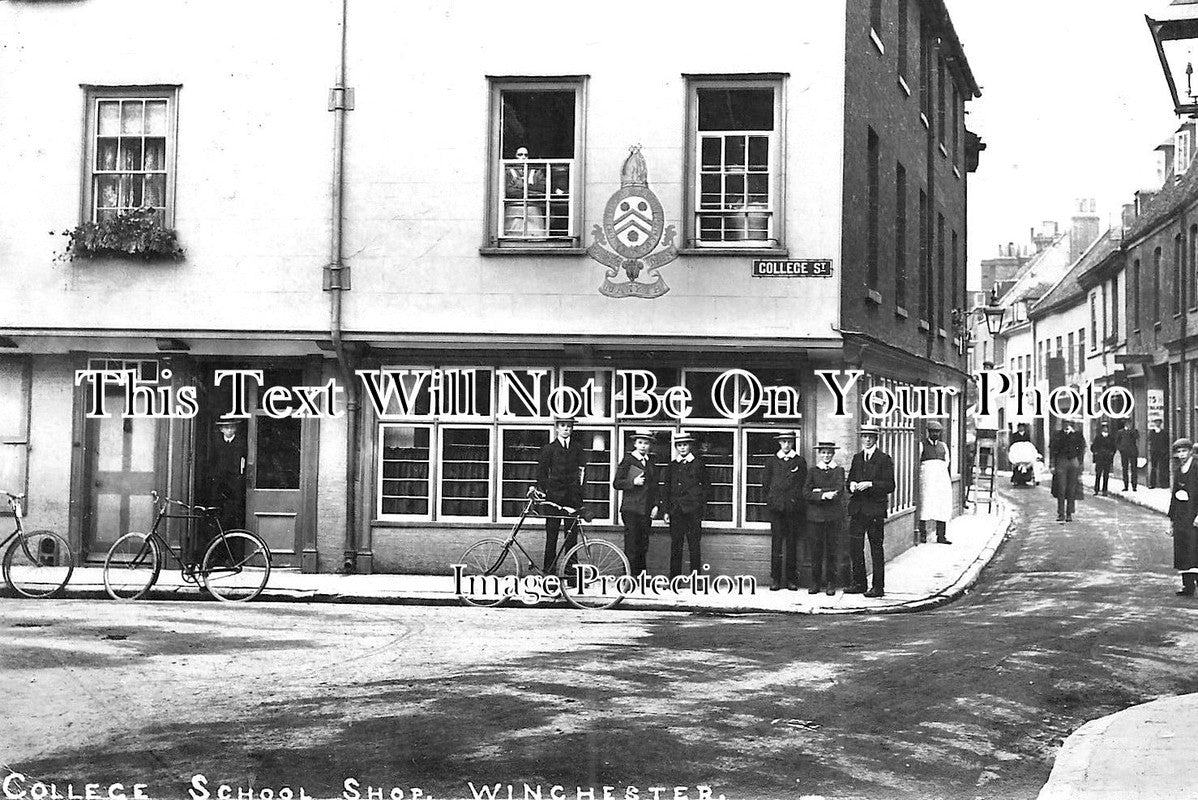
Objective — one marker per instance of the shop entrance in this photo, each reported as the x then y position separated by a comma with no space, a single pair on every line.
253,469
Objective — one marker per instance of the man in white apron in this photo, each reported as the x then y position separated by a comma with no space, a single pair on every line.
935,484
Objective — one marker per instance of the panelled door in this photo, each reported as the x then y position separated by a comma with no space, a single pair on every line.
273,472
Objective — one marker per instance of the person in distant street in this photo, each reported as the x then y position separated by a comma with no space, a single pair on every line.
1067,450
1183,508
1128,445
1158,455
1103,449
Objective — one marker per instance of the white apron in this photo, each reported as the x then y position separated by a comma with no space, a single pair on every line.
936,489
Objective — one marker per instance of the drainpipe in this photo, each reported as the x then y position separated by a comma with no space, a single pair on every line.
336,282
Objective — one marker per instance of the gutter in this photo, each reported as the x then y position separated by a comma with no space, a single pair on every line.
336,282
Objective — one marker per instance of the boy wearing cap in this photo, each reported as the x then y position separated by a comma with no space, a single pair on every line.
782,480
637,477
560,470
935,484
1183,508
824,491
684,502
871,480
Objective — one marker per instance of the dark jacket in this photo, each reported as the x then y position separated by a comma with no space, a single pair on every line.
1065,446
559,471
874,500
1128,443
1103,448
1158,444
636,499
820,481
1019,436
782,481
1182,513
686,487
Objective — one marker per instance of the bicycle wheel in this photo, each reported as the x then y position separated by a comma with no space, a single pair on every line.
236,566
131,566
38,564
487,574
597,565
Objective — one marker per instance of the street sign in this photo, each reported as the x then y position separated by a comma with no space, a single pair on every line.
1156,405
806,268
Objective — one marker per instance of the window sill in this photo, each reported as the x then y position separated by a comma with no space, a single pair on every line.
924,119
877,40
957,172
772,252
901,312
924,326
942,333
903,85
1156,326
530,250
943,150
873,296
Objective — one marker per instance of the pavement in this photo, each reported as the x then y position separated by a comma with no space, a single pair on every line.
923,577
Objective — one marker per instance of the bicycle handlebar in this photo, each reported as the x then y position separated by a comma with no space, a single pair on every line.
165,501
12,496
538,497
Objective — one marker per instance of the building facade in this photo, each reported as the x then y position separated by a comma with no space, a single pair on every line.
476,212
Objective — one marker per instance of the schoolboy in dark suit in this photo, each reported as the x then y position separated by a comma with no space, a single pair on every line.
782,480
637,477
685,501
871,480
825,495
559,475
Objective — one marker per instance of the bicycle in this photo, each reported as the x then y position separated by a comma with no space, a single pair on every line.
235,566
588,574
36,564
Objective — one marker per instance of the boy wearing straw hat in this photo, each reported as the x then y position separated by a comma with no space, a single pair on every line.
684,502
560,470
637,477
825,495
782,479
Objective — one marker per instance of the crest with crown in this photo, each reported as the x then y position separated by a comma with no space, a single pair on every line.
633,227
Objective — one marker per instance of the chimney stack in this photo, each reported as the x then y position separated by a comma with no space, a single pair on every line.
1084,229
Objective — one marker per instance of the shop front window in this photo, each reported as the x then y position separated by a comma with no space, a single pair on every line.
466,472
405,470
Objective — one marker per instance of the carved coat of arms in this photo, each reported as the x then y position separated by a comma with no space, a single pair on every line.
633,226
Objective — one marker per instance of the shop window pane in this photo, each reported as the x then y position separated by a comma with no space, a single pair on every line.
759,446
597,488
465,472
736,109
666,378
716,448
597,399
518,467
278,453
406,465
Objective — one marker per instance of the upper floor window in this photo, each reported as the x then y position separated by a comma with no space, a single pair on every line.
1182,152
736,180
536,174
130,151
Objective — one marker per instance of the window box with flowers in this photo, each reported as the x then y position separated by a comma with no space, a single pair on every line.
136,233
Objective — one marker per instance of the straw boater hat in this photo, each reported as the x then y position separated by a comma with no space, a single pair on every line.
683,436
221,423
826,446
933,425
559,419
870,430
642,433
780,435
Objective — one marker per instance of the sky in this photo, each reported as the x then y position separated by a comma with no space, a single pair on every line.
1073,103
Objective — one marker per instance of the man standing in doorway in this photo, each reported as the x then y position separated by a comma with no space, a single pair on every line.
935,484
1158,455
226,479
782,479
1103,451
871,480
1128,442
560,470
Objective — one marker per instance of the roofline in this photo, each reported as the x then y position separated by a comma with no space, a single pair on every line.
950,33
1035,311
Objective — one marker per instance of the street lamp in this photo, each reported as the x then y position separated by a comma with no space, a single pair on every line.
1176,38
992,314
